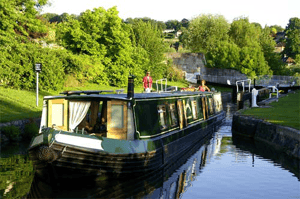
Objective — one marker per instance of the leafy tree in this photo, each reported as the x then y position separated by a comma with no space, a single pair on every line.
185,23
149,37
20,17
206,31
268,44
277,28
173,24
292,32
160,25
253,63
102,34
243,33
225,55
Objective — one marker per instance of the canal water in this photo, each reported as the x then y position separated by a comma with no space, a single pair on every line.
221,166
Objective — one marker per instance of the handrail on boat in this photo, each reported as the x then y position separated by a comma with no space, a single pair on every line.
161,85
85,92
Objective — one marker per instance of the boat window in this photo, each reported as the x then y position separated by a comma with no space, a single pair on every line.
194,109
162,116
174,121
117,116
94,120
211,106
57,113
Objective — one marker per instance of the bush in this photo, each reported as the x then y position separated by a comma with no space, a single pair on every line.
30,131
11,132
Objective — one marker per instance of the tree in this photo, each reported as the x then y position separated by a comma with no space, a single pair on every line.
292,32
225,55
243,33
252,62
20,17
102,34
173,24
268,44
206,31
148,36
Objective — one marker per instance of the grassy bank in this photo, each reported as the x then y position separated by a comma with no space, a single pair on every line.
20,104
285,112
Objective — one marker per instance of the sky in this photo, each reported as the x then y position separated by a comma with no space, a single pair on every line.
265,12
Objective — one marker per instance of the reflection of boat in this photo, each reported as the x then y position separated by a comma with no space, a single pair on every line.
117,134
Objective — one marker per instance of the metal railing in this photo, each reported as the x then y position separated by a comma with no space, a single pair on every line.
161,85
243,84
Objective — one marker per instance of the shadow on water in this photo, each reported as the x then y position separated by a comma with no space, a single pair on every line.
265,151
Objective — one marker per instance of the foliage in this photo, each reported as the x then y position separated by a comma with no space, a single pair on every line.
159,24
55,18
11,132
147,36
292,32
101,34
268,44
172,72
17,62
253,62
206,31
30,130
277,28
20,17
225,55
243,33
254,45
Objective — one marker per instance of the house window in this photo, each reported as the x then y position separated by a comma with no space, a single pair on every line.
162,116
174,121
194,109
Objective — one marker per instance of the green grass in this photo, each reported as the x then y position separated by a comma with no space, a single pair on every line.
285,112
21,104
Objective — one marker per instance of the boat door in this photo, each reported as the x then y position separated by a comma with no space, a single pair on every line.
117,119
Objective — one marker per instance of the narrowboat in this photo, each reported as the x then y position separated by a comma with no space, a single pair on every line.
89,133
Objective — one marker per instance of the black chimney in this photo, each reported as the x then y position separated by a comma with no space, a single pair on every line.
130,89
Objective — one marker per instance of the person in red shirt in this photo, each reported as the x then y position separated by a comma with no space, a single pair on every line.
147,83
203,87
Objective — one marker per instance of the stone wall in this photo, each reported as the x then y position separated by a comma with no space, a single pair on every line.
195,63
284,138
189,62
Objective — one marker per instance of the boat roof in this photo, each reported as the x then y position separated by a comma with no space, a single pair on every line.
94,94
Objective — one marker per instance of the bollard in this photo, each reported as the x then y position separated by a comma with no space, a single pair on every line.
254,95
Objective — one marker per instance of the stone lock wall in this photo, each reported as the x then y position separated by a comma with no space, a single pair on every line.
189,62
284,138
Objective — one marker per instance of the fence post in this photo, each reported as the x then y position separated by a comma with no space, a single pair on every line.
254,95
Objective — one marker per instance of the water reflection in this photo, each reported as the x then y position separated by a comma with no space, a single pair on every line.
261,150
16,174
217,167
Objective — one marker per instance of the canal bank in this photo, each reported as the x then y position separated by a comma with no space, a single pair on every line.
284,138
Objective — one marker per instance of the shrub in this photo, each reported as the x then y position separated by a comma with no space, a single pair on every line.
30,131
11,132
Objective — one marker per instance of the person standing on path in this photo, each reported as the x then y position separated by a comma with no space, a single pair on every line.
147,83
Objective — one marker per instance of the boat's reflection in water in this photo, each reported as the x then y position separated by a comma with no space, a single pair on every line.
168,182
